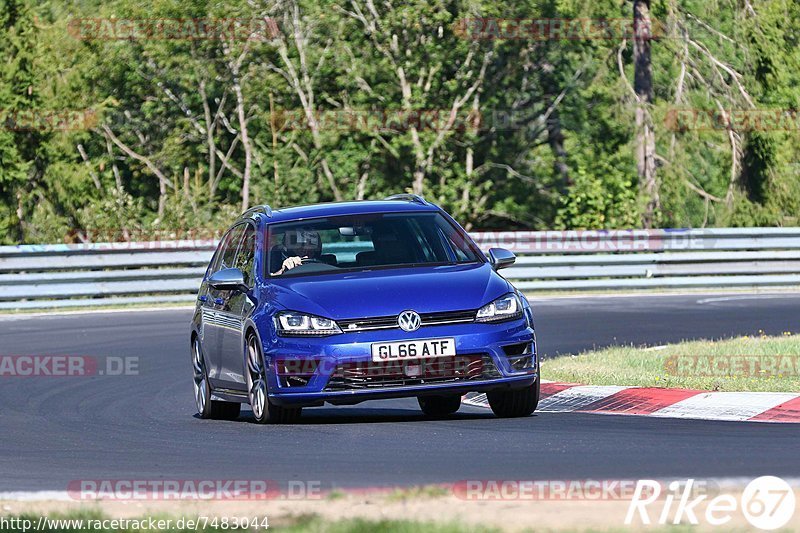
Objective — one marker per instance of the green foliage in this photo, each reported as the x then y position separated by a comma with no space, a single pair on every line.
602,200
553,146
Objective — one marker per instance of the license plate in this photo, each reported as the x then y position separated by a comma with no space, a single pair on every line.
418,349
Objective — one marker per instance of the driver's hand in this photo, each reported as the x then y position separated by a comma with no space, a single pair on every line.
291,262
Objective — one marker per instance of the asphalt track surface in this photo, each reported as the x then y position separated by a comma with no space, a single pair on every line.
54,430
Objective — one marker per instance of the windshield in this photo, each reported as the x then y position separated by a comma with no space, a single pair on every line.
361,242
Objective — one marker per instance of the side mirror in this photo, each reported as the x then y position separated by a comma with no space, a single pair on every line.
501,258
228,279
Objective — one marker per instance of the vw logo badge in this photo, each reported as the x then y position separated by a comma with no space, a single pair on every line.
409,321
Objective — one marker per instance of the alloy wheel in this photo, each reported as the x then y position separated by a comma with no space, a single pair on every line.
257,381
200,380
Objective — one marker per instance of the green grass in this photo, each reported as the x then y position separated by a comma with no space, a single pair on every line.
743,364
335,495
423,491
313,524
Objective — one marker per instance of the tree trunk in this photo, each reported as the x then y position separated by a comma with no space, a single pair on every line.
274,129
162,200
555,138
248,152
241,113
212,146
643,87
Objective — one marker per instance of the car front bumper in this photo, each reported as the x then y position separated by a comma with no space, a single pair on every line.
489,342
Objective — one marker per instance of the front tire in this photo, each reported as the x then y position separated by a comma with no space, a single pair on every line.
264,411
439,405
514,403
206,407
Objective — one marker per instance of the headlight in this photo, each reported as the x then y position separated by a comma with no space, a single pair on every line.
291,324
506,307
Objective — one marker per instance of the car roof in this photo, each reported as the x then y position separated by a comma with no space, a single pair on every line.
288,214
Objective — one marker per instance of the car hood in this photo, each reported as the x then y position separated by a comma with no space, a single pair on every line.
389,291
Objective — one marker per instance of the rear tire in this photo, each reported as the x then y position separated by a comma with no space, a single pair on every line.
206,407
514,403
264,411
439,405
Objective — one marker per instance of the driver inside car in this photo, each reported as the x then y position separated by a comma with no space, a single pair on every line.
299,247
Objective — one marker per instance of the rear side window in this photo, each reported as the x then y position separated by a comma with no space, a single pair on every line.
344,247
226,253
245,258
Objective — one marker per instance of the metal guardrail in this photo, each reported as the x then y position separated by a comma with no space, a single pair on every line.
62,275
650,259
75,275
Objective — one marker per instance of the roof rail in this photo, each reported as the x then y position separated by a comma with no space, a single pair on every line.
265,209
416,198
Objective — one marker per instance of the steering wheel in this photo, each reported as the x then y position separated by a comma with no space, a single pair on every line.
308,260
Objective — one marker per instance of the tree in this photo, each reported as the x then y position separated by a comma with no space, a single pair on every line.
643,88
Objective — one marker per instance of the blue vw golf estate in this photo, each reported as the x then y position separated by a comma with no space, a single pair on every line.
354,301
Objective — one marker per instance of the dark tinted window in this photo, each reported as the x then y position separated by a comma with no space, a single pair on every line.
245,258
359,242
226,253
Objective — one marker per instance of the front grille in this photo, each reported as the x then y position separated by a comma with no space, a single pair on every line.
369,375
389,322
